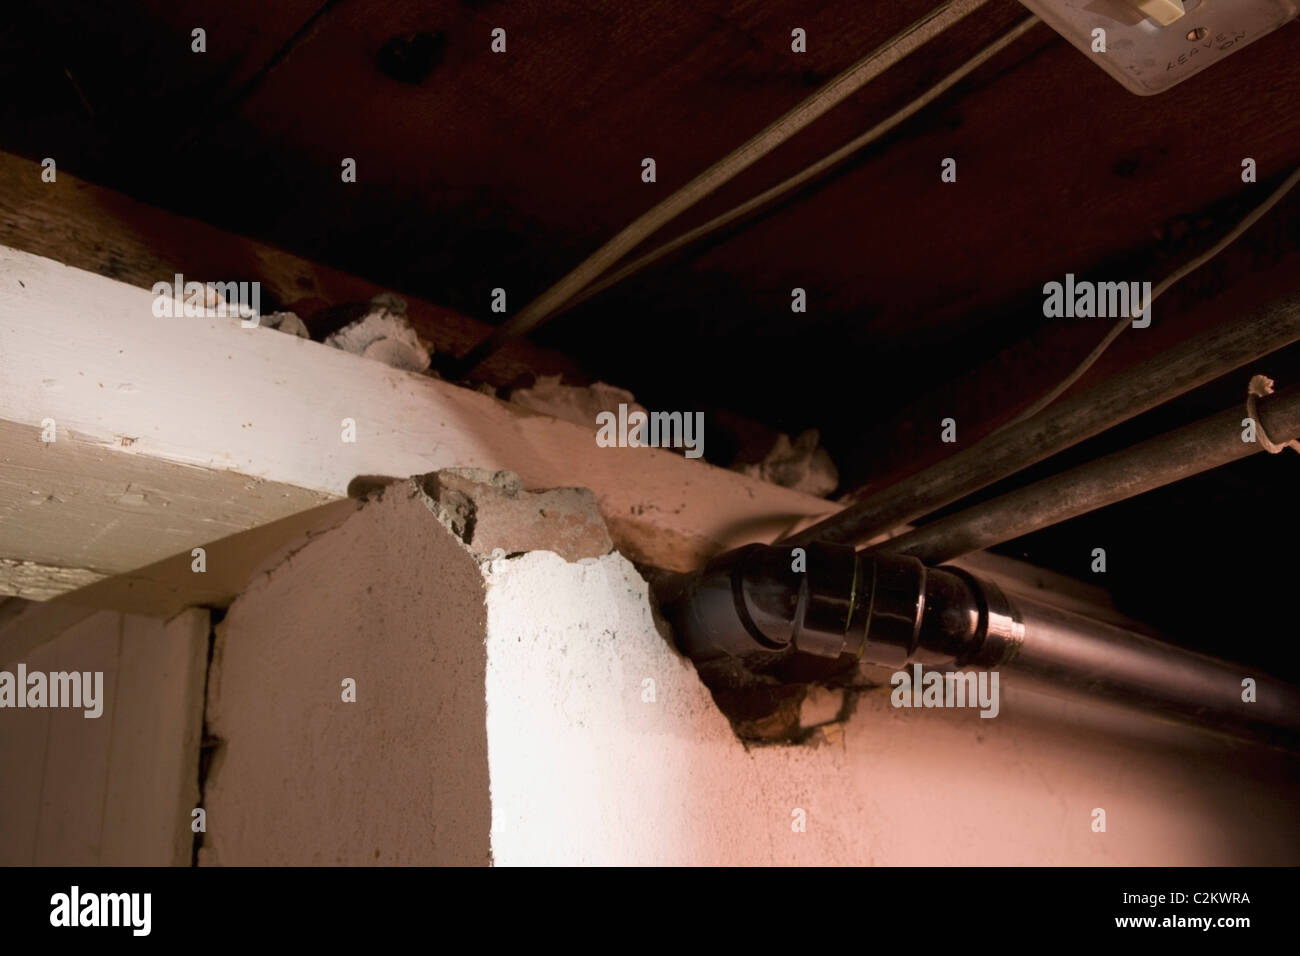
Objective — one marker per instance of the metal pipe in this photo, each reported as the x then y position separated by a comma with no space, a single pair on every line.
789,622
1107,661
1194,362
1179,454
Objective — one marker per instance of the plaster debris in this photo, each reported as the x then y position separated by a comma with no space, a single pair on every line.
579,404
495,517
384,333
801,465
286,322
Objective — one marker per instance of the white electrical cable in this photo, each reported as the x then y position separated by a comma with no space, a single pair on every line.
809,172
1163,286
832,94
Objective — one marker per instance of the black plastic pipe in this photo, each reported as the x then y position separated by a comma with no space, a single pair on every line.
774,610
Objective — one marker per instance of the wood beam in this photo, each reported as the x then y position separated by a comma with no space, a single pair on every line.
173,433
103,231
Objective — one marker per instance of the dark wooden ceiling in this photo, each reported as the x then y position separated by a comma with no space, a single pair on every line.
478,170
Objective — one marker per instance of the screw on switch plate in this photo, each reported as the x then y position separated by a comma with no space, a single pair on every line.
1152,45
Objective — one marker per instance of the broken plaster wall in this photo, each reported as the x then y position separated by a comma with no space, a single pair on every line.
523,706
392,601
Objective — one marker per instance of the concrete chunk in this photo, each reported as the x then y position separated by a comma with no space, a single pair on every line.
491,512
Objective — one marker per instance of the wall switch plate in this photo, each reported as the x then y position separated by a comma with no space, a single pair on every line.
1152,45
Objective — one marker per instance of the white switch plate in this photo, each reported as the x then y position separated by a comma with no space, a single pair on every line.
1149,58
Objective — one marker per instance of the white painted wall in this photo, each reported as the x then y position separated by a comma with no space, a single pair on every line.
394,602
504,698
584,771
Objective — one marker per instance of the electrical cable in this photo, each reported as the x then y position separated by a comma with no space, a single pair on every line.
809,172
826,97
1163,286
884,510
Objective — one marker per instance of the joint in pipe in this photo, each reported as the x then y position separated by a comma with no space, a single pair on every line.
844,609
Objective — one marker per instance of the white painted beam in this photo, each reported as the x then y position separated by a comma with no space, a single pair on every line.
176,432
